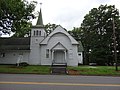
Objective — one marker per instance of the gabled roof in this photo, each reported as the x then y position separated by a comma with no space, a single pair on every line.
58,46
15,43
59,29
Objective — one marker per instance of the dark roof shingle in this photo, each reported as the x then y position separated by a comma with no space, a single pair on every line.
14,43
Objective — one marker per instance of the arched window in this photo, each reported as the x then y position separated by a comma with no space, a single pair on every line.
37,33
34,33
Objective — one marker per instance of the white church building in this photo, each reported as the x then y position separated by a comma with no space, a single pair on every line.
38,49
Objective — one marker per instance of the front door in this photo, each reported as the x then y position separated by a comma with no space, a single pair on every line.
59,56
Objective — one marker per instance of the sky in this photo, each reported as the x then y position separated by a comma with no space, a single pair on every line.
69,13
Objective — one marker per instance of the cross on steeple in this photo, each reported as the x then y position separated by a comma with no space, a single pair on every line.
40,5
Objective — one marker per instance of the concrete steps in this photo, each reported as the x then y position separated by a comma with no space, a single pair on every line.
59,68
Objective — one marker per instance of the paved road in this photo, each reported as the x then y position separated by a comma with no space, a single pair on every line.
57,82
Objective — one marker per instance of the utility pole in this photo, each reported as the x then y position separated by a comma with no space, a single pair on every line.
115,50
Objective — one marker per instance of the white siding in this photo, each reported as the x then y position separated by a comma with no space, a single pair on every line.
35,53
44,60
71,54
59,37
11,57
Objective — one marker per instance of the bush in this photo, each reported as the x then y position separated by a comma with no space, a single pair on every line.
23,64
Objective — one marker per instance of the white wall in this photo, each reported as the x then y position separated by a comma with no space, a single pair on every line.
43,33
11,57
44,60
35,54
59,37
71,55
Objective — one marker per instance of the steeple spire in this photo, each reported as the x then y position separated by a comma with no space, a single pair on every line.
40,20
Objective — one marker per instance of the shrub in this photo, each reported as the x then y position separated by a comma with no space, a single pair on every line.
23,64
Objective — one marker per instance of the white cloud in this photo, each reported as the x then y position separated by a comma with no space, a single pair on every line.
69,13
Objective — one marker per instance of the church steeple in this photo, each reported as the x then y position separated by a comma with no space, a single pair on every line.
40,20
38,30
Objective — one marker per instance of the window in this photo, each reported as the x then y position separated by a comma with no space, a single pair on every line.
47,53
34,33
2,55
39,33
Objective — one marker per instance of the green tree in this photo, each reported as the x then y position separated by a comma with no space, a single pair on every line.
76,33
50,27
15,16
97,29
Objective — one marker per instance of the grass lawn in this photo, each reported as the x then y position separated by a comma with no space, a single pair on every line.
80,70
96,70
27,70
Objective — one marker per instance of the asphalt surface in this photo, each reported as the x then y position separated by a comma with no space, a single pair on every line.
57,82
